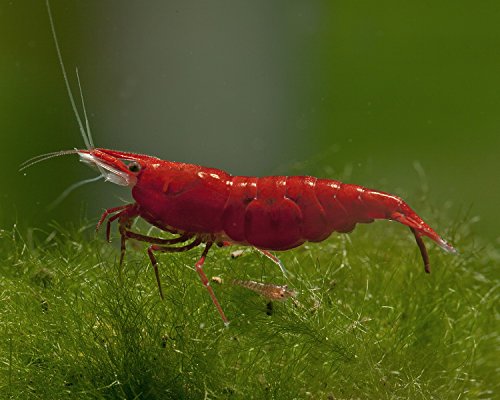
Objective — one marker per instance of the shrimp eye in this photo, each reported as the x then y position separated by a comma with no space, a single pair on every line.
134,167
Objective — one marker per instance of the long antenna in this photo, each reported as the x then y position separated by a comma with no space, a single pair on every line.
87,138
87,126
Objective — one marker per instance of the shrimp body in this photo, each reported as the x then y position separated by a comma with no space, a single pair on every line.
273,213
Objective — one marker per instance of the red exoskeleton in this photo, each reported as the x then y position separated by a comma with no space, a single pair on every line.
201,205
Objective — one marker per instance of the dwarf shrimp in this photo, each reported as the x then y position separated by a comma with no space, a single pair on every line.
270,291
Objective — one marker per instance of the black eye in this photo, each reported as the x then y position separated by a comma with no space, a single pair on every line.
134,167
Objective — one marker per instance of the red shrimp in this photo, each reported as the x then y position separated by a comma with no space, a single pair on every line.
207,205
201,205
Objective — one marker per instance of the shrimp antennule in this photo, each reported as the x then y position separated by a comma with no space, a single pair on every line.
87,138
42,157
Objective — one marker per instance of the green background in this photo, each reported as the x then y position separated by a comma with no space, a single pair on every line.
399,96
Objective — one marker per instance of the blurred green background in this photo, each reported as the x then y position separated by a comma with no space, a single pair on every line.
400,96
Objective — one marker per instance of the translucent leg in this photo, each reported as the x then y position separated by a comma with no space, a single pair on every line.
274,259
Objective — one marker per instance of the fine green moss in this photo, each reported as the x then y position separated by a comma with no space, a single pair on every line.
367,321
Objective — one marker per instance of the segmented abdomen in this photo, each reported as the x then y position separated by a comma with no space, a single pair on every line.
279,212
